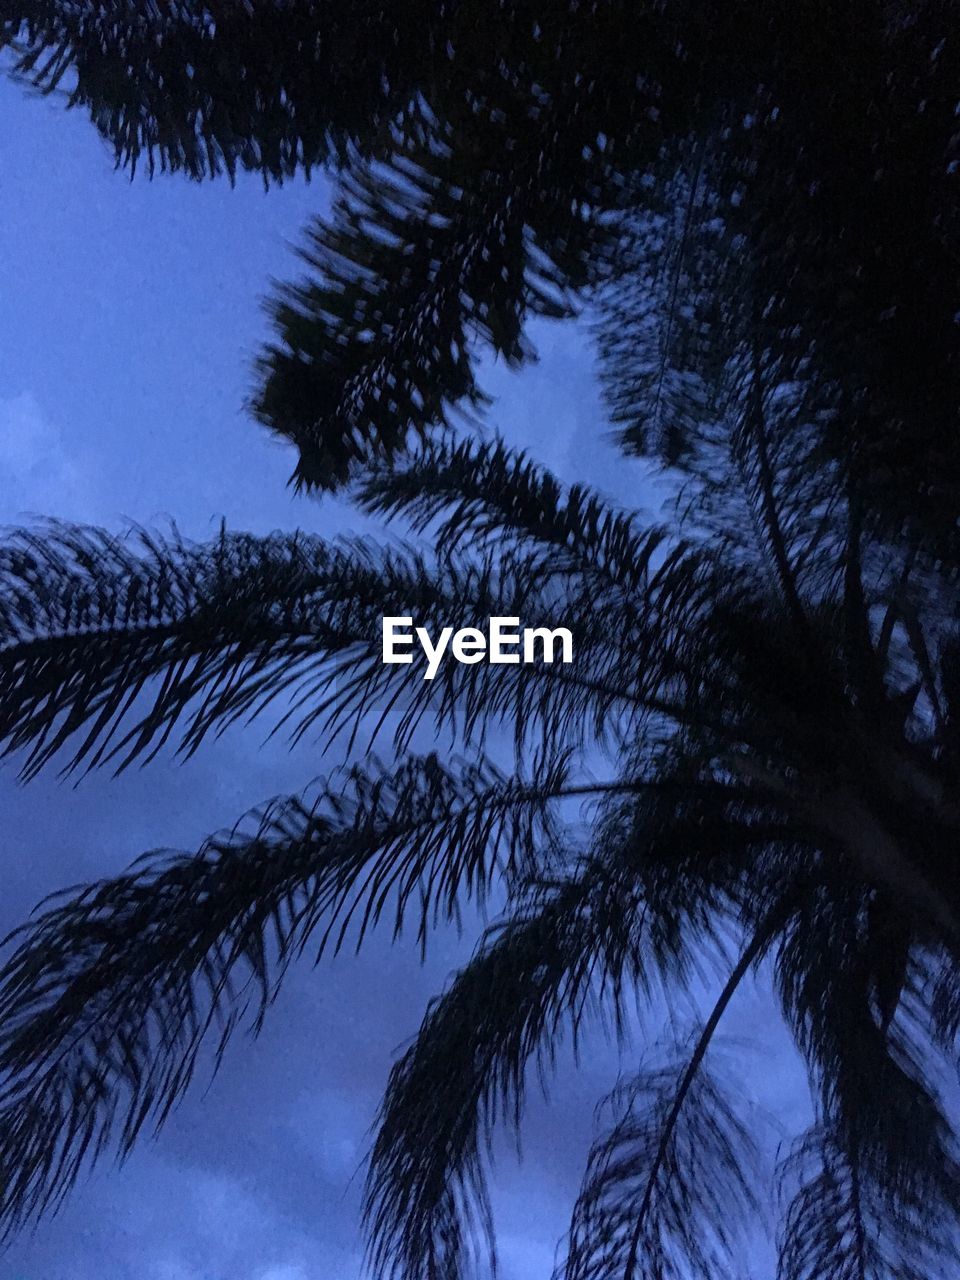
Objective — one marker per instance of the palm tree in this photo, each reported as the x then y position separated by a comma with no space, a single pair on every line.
774,691
778,710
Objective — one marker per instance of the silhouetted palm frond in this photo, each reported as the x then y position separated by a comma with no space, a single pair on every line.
110,994
563,947
420,262
840,1223
669,1187
593,945
163,82
464,491
112,643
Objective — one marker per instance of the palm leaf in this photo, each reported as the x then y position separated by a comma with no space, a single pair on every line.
563,947
465,491
109,645
112,991
840,1225
422,262
210,90
665,1195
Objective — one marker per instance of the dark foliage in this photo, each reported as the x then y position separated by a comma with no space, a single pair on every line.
760,202
779,712
793,169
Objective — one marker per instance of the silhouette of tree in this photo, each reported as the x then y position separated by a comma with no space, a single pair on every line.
778,709
760,203
488,152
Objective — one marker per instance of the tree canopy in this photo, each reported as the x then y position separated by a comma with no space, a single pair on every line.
489,152
757,202
778,711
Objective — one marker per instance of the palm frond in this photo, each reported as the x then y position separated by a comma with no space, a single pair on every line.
667,1191
840,1225
111,993
109,644
850,992
669,1188
422,261
91,621
269,87
629,923
470,491
565,947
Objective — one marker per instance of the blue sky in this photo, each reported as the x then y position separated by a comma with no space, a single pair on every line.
131,315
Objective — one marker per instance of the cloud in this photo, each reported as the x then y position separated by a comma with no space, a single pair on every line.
38,473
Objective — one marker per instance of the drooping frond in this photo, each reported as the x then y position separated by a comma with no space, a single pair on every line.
109,644
629,924
667,1191
269,87
563,948
859,1014
738,403
840,1225
422,261
91,621
112,991
660,322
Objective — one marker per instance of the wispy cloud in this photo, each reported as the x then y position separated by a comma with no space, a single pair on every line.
39,470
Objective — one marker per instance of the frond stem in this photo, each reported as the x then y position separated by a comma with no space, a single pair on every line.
751,953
